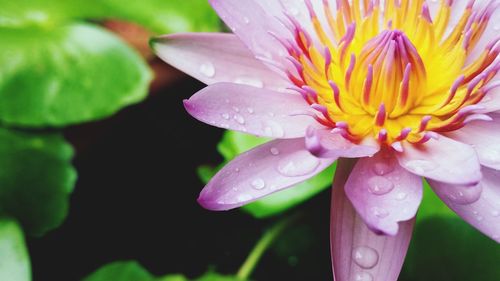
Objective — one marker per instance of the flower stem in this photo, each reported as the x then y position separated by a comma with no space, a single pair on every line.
262,245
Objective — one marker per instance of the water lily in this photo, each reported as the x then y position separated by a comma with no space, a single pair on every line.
395,91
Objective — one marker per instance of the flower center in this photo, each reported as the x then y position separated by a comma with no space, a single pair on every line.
392,72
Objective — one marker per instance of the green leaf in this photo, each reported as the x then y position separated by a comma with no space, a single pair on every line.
168,16
45,14
14,259
432,206
233,144
122,271
212,276
36,179
445,249
159,16
66,75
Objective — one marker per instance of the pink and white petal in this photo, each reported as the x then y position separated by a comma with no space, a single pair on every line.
383,193
324,143
268,168
251,110
491,33
484,136
216,57
442,159
358,253
256,24
480,209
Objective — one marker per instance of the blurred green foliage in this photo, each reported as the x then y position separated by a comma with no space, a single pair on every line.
59,67
133,271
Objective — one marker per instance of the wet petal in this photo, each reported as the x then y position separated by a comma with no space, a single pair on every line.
216,57
383,193
327,144
478,205
443,160
263,170
251,110
357,252
484,136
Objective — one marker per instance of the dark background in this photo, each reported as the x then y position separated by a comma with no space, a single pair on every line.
135,199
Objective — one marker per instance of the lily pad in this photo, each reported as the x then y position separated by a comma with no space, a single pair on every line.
36,179
67,75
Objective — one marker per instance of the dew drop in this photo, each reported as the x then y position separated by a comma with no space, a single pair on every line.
382,168
273,129
274,151
365,257
238,118
379,185
495,213
258,184
479,218
236,109
379,212
401,196
237,170
250,110
255,82
246,20
362,276
207,69
225,116
244,198
465,195
420,166
298,164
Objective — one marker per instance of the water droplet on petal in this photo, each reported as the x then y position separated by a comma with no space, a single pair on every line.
249,81
420,166
495,213
401,196
362,276
238,118
379,185
258,184
207,69
237,170
379,212
250,110
274,151
236,109
225,116
465,195
365,257
382,168
479,218
246,20
244,198
273,129
298,164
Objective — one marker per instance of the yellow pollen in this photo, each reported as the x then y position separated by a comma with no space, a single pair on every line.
392,72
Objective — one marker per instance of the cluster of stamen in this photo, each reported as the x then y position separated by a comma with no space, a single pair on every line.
392,71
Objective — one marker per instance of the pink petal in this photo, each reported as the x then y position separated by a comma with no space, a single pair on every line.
251,110
357,252
263,170
478,205
443,160
484,136
383,193
255,23
327,144
216,57
492,29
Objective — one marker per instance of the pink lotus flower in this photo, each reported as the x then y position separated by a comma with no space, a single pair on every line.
409,87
